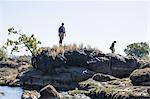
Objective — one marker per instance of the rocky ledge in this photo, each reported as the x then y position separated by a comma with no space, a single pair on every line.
95,61
115,89
79,74
107,88
65,71
10,71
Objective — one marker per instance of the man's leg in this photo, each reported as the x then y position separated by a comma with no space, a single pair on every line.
113,50
60,41
61,38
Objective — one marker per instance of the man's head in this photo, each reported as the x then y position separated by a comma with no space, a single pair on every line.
115,42
62,24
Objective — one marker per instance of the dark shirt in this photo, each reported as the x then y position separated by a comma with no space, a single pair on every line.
113,44
61,29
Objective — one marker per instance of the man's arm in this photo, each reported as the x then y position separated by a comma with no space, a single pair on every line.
65,34
64,31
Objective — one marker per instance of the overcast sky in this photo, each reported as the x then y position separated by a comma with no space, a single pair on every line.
97,23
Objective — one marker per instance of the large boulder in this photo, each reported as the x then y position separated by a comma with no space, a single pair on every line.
114,64
66,78
47,62
49,92
122,66
141,77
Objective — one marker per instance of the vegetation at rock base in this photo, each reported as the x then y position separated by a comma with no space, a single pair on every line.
29,42
140,49
3,54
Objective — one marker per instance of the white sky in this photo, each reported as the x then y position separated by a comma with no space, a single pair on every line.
97,23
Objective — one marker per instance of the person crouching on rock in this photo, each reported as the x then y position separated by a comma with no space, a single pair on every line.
112,47
61,34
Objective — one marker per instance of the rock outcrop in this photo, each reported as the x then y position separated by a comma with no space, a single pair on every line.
78,74
10,71
65,71
141,77
111,64
47,63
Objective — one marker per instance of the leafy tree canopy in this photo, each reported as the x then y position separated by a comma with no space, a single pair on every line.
140,49
30,42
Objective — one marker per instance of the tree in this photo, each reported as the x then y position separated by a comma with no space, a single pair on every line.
138,49
30,42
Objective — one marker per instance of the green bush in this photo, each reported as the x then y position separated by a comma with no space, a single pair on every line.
3,54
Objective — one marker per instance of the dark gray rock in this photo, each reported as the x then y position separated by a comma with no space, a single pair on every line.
122,66
66,78
100,64
76,58
47,63
141,76
148,90
113,64
103,77
49,92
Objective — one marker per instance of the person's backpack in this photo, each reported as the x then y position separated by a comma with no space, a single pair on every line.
61,29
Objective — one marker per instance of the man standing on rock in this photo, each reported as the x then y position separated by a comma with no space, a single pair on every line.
112,47
61,34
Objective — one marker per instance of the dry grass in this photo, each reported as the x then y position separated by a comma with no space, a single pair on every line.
56,50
